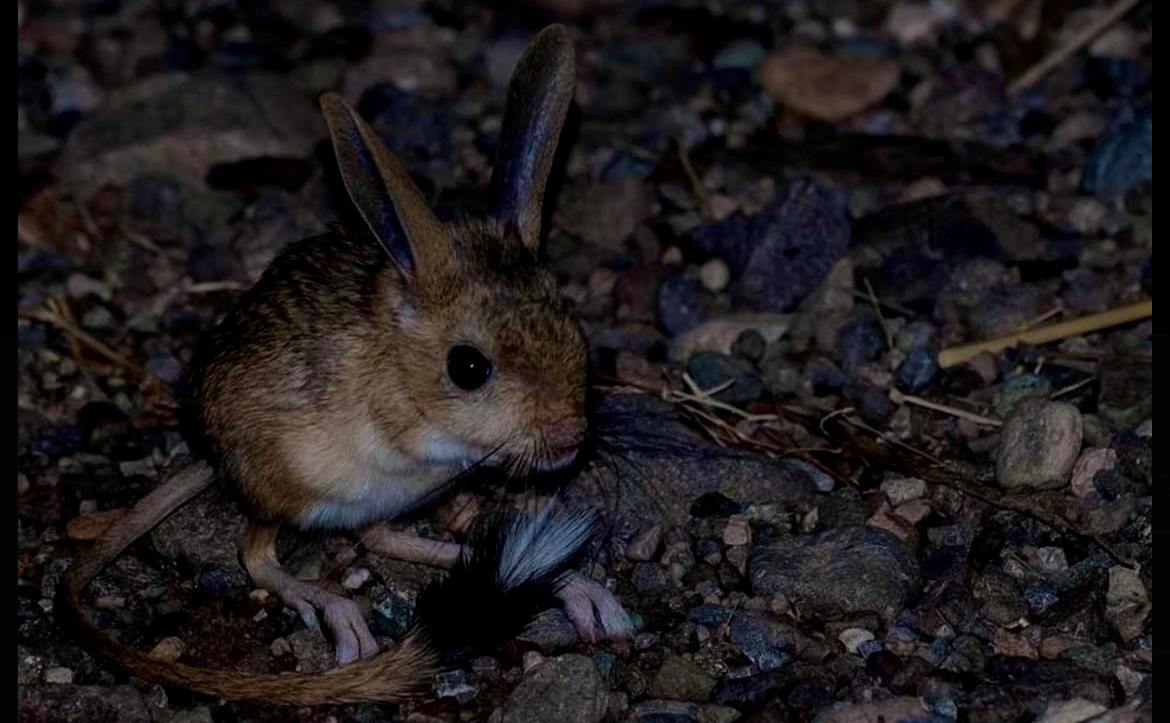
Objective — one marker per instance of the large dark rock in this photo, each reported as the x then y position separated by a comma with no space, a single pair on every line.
837,573
780,255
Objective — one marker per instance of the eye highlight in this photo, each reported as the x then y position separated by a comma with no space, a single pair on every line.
468,367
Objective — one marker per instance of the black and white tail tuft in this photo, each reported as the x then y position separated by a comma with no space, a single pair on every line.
512,566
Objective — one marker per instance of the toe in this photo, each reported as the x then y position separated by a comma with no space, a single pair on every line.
308,615
343,617
579,609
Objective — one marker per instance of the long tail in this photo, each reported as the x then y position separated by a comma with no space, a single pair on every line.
510,572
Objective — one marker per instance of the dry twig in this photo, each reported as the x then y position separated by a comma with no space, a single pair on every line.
1079,41
1052,332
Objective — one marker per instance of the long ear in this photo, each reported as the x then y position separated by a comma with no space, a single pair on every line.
383,192
538,100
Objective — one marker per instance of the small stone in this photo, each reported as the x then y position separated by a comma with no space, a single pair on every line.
91,526
1127,603
860,341
645,546
650,578
914,511
1039,445
720,714
710,371
827,87
311,651
280,648
1125,399
1090,463
1051,560
903,489
1071,711
169,649
355,578
454,684
608,213
889,709
566,689
59,676
715,275
1018,388
917,370
532,659
680,679
665,711
750,344
852,638
1040,596
551,631
762,639
738,531
1005,642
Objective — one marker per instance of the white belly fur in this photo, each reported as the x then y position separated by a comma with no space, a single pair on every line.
370,481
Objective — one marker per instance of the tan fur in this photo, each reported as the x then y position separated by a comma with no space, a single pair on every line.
326,386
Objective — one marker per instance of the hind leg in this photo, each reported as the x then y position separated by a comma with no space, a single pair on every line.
351,635
594,611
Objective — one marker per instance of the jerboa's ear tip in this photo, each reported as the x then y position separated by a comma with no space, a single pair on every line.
556,40
333,104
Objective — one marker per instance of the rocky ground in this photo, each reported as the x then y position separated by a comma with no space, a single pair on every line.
773,218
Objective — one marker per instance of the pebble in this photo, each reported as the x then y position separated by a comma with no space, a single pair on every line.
914,511
860,341
852,638
903,489
650,578
750,345
917,370
715,275
122,703
280,647
738,531
551,631
59,676
1127,603
890,709
1122,158
532,659
779,255
645,547
169,649
454,684
1015,389
1039,445
355,578
665,711
764,640
710,371
1071,711
680,679
566,689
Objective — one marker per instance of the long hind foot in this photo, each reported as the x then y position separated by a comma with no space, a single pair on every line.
594,611
351,634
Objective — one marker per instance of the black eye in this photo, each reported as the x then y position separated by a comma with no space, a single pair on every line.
467,367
